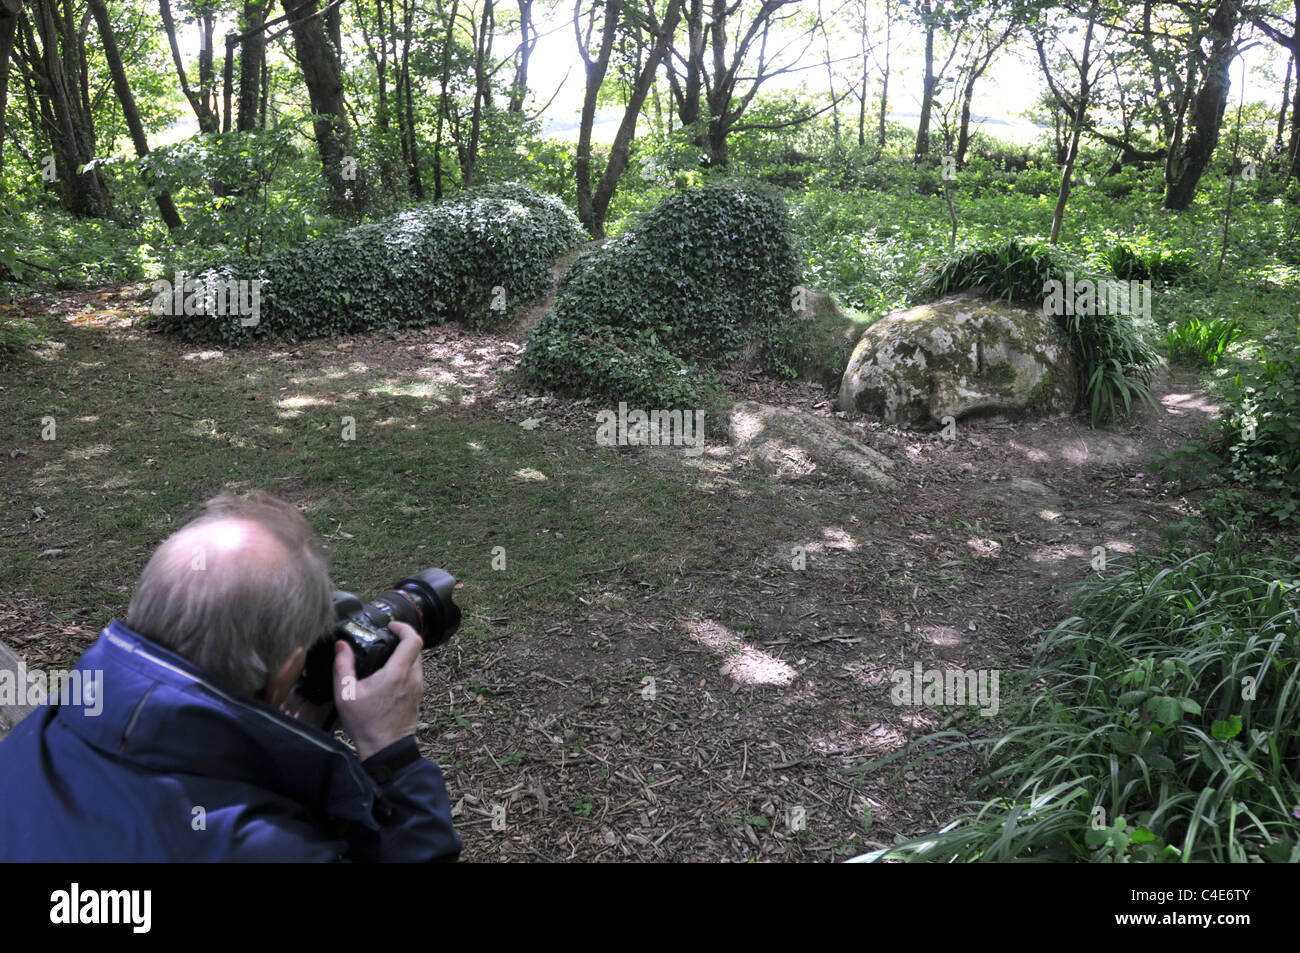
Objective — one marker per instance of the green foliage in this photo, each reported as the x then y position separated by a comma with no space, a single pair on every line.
1114,359
17,332
1201,343
425,265
1261,440
707,273
513,150
1122,183
1115,363
1016,269
1143,258
222,183
1162,724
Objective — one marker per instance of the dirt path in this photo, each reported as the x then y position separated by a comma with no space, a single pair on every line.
755,730
725,716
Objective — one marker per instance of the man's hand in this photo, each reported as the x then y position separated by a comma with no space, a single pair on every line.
385,706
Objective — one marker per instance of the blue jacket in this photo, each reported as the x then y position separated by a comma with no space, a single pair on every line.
177,766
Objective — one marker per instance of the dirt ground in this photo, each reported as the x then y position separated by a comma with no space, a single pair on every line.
635,733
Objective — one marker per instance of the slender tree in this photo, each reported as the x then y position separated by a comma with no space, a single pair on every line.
1073,103
166,207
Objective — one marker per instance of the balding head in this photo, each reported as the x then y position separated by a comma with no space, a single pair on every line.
237,591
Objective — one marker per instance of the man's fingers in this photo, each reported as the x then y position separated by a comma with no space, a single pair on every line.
409,648
345,663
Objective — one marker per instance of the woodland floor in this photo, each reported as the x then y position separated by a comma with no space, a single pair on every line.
771,684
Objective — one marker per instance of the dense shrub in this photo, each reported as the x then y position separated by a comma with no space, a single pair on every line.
1143,259
17,332
1037,181
704,275
1015,269
1162,724
1122,183
1262,439
1114,358
1201,343
425,265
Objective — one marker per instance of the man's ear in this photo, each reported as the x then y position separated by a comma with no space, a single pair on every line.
280,683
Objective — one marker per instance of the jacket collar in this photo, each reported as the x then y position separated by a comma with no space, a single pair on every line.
164,714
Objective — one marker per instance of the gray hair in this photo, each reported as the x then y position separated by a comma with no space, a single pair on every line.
236,617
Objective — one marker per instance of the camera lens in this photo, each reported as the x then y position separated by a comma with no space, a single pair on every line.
424,602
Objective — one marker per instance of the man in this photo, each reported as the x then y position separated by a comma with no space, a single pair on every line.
199,748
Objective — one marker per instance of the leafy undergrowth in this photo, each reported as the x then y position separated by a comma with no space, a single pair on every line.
647,316
1166,725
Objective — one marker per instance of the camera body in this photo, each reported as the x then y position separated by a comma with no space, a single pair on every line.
423,601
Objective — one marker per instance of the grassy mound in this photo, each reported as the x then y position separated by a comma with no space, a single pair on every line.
704,276
478,256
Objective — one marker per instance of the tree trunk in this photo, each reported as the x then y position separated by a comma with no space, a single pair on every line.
621,149
688,110
519,88
482,50
830,74
251,55
927,92
1285,107
1293,143
412,148
1207,109
325,88
8,28
884,80
166,207
963,130
207,75
596,69
862,107
207,120
69,126
443,102
1180,118
1079,118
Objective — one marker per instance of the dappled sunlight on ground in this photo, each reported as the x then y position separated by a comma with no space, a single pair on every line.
774,680
1186,404
742,662
987,548
945,636
85,453
299,401
872,740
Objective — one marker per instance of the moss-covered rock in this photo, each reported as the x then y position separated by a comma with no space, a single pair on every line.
962,356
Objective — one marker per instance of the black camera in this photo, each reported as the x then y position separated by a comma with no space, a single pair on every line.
423,601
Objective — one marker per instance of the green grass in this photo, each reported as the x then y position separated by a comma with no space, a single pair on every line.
142,443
